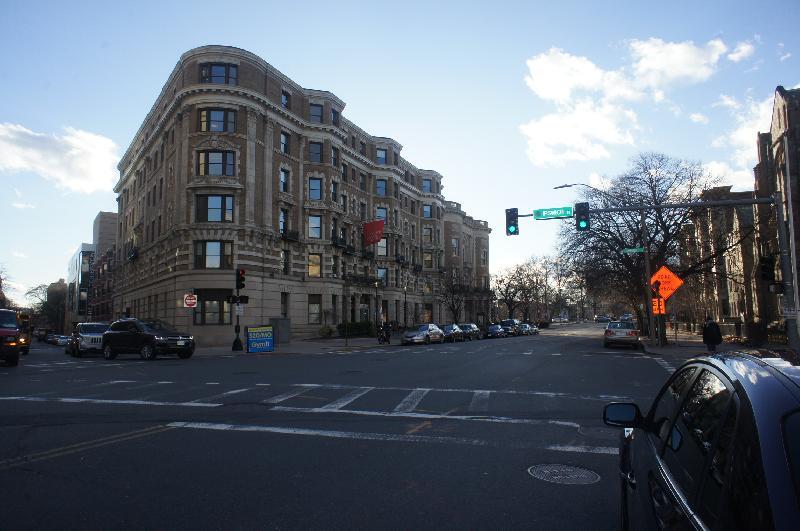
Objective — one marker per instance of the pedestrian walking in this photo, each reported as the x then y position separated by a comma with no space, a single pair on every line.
712,336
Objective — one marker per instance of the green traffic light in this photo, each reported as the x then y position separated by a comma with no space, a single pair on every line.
512,228
583,224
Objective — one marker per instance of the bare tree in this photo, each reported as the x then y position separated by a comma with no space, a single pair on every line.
506,288
453,292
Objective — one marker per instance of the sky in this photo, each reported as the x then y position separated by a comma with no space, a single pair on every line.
505,99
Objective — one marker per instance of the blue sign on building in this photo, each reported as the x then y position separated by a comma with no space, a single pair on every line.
259,338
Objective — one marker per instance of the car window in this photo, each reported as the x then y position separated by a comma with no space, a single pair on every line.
667,404
625,325
695,429
119,326
717,471
92,328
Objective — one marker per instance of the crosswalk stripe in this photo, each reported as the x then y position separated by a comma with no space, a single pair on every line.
346,399
289,394
410,402
480,401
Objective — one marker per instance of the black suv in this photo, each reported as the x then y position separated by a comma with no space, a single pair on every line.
719,448
148,337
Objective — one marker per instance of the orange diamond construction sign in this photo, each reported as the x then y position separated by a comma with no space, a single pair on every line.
668,282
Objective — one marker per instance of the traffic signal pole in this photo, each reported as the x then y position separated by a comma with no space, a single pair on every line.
647,274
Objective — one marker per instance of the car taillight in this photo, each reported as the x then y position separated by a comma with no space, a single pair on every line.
609,333
633,333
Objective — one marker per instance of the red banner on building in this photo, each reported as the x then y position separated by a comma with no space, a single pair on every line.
373,232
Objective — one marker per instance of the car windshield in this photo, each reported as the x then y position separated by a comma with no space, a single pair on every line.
8,320
507,322
422,328
626,326
92,328
159,326
494,327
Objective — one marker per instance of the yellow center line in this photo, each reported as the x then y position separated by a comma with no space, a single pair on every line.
80,447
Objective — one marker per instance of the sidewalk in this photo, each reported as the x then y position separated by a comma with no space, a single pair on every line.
689,345
302,346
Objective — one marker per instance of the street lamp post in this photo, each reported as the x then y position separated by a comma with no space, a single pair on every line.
405,306
376,304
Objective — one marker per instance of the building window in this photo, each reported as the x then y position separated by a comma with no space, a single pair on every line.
314,309
314,265
226,74
315,189
283,218
426,211
380,213
215,120
395,218
285,147
284,305
315,112
427,259
286,264
212,308
315,227
344,173
286,100
335,117
380,187
426,185
381,274
363,181
363,211
217,208
427,234
396,190
216,163
315,151
380,156
213,255
484,256
383,248
335,157
283,183
454,244
334,191
396,158
362,148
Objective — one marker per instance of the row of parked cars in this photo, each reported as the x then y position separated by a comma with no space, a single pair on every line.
146,337
435,333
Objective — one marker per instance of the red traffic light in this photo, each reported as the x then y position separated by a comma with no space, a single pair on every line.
240,278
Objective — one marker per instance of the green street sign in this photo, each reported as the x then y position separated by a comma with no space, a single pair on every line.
633,250
553,213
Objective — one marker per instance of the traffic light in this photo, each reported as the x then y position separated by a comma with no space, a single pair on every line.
512,222
582,216
240,278
767,268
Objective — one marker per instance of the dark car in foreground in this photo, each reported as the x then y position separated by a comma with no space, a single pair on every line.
511,326
149,338
471,331
87,337
452,333
10,345
718,449
495,331
423,333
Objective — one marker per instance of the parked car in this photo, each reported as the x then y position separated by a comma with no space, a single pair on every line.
62,341
9,338
534,330
87,337
423,333
718,449
602,319
471,331
511,326
147,337
524,329
495,331
626,317
621,333
452,333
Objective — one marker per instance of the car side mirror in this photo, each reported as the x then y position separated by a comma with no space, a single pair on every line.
622,415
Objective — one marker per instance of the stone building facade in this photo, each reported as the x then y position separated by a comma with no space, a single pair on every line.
237,165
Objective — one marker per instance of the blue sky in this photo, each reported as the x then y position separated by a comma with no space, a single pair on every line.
505,99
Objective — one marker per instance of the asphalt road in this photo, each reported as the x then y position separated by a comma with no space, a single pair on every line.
439,436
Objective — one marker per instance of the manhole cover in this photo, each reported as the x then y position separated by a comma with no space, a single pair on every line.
564,474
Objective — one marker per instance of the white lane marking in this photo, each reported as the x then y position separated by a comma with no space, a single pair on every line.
330,433
212,383
262,385
289,394
346,399
584,449
412,415
410,402
106,401
220,395
84,387
665,364
165,382
480,401
555,354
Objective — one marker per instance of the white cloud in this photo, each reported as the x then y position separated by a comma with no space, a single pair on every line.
726,101
78,160
598,181
17,192
741,178
594,106
785,56
742,51
18,254
578,133
22,206
698,118
751,118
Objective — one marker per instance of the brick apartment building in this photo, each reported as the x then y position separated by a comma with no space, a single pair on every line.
238,165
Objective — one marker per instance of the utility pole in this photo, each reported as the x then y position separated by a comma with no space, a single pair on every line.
647,274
